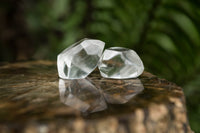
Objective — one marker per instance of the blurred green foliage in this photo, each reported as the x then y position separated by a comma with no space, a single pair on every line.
165,33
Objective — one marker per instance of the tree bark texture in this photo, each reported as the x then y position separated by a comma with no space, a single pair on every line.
32,102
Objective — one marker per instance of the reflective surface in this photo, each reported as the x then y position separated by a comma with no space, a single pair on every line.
121,92
83,95
30,101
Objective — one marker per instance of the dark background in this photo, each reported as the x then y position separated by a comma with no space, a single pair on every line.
165,33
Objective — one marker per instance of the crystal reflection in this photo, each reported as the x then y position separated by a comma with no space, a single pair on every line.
82,95
121,91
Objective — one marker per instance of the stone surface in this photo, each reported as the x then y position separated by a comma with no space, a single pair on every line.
82,95
120,63
30,103
80,59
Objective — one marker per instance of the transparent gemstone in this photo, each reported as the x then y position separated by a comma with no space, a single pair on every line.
120,63
82,95
80,59
121,91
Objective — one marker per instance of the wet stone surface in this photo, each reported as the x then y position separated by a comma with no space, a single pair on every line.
32,99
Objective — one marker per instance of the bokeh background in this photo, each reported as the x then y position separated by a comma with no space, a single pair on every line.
165,33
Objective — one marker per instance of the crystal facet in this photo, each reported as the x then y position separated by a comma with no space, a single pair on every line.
120,63
82,95
80,59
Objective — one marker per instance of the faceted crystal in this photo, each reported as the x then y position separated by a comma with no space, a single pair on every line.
80,59
120,63
82,95
121,91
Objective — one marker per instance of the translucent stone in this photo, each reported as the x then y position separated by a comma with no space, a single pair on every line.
120,63
82,95
122,92
80,59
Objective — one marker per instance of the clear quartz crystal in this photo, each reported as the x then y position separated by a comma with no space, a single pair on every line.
120,63
80,59
82,95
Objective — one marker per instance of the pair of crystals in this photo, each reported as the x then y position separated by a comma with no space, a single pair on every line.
81,58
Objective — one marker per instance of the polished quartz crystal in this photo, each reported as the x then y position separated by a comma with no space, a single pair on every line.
82,95
80,59
120,63
121,91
